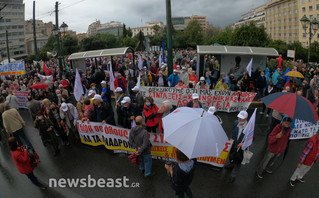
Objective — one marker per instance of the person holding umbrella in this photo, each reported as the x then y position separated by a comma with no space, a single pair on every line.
277,144
181,175
236,154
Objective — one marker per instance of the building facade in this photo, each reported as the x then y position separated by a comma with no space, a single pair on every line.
43,31
283,19
92,30
13,22
202,21
113,27
180,23
256,15
147,29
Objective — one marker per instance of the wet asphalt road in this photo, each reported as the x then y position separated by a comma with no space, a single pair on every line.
79,161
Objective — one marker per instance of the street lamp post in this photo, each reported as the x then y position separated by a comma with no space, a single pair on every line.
63,29
56,32
313,27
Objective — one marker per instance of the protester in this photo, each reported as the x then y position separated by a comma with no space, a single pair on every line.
70,114
129,112
103,112
12,100
277,144
48,136
180,84
221,85
22,161
119,95
139,139
184,76
309,156
192,79
194,103
14,125
173,79
120,82
138,98
181,175
160,80
33,107
150,113
270,90
236,152
165,109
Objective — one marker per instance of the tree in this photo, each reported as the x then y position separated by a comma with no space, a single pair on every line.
70,44
314,52
129,32
129,42
51,44
210,32
124,31
156,29
280,46
193,33
141,42
222,38
250,35
301,52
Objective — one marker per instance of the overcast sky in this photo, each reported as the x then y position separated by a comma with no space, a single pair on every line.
78,14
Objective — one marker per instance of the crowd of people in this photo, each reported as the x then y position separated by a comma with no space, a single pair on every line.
55,111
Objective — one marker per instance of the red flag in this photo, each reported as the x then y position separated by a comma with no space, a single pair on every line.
48,72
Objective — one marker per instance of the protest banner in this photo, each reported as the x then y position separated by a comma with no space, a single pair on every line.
22,98
304,130
223,100
12,69
117,139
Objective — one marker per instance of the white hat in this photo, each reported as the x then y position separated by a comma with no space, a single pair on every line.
136,88
242,115
183,67
178,66
64,107
202,78
91,92
163,66
118,89
126,99
175,70
195,96
97,97
211,110
103,82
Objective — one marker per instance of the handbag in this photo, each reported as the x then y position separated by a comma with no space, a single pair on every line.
34,159
247,156
134,159
235,156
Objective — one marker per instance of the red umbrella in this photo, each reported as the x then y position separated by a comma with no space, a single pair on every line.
39,85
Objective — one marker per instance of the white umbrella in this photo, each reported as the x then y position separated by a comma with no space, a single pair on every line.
195,132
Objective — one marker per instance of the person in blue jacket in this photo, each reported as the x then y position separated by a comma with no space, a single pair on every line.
173,78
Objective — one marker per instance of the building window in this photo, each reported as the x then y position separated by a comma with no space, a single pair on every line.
317,6
311,17
318,36
304,35
310,0
303,1
296,11
279,34
317,16
303,9
290,35
290,20
310,8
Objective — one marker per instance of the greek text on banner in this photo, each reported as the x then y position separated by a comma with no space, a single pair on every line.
116,138
223,100
12,69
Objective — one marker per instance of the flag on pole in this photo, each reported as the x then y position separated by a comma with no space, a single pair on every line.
111,77
47,71
163,48
140,62
250,67
78,89
249,131
139,81
160,60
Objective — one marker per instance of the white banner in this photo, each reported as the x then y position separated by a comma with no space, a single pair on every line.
117,139
304,130
223,100
22,98
291,53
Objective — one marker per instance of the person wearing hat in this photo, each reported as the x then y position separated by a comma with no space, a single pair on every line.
160,80
212,110
165,70
194,103
71,115
104,91
138,99
91,95
129,112
202,84
119,95
184,76
277,144
173,79
103,112
236,154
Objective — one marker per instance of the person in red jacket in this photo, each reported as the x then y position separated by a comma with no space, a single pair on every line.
309,156
120,82
277,144
150,112
22,160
